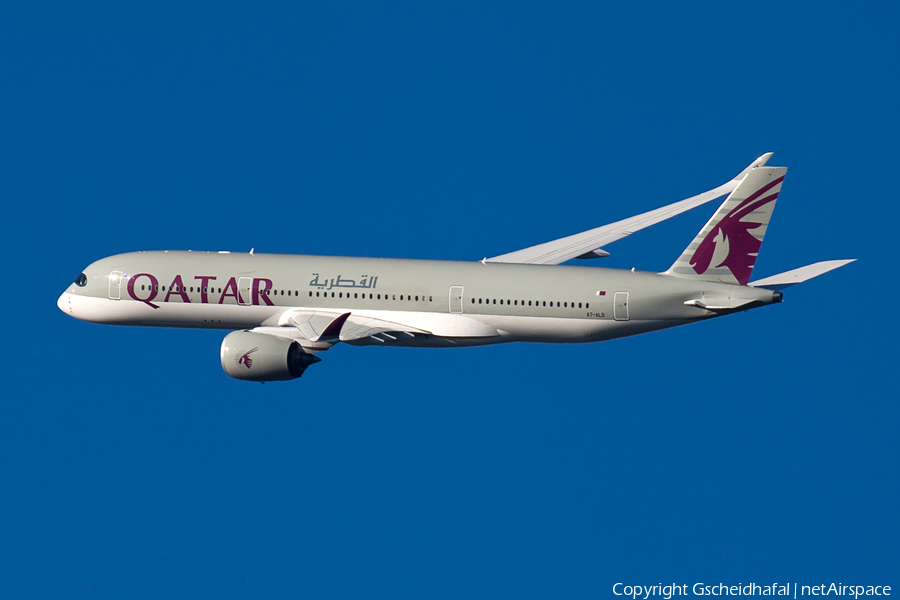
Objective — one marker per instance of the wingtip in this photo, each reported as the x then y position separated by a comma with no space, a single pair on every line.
762,160
759,162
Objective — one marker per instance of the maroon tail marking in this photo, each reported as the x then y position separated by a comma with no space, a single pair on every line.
742,245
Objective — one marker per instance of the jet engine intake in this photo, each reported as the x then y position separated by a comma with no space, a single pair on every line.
261,357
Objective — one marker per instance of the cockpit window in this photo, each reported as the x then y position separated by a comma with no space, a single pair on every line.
81,280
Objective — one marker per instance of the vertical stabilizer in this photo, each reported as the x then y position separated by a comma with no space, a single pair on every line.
726,248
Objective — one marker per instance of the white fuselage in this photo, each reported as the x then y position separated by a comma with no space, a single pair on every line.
443,303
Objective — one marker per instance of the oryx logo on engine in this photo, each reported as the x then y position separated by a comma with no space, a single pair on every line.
245,359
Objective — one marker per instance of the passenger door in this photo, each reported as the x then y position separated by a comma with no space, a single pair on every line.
620,310
456,298
115,285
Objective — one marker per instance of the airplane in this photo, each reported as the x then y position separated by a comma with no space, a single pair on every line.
285,309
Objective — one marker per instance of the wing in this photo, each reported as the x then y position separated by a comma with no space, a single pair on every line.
318,330
390,326
587,244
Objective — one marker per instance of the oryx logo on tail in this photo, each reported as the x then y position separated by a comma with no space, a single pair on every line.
731,242
726,248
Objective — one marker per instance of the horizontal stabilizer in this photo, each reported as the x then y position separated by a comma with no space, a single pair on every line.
789,278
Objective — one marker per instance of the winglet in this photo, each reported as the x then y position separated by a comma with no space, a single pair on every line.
759,162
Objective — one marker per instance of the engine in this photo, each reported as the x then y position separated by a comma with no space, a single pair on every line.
262,357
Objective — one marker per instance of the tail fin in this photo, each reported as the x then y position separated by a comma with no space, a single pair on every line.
726,248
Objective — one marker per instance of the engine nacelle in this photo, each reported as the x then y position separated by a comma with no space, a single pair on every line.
262,357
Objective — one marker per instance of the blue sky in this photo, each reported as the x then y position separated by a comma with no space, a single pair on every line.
758,447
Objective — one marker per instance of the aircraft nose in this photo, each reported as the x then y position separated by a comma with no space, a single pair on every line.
65,303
